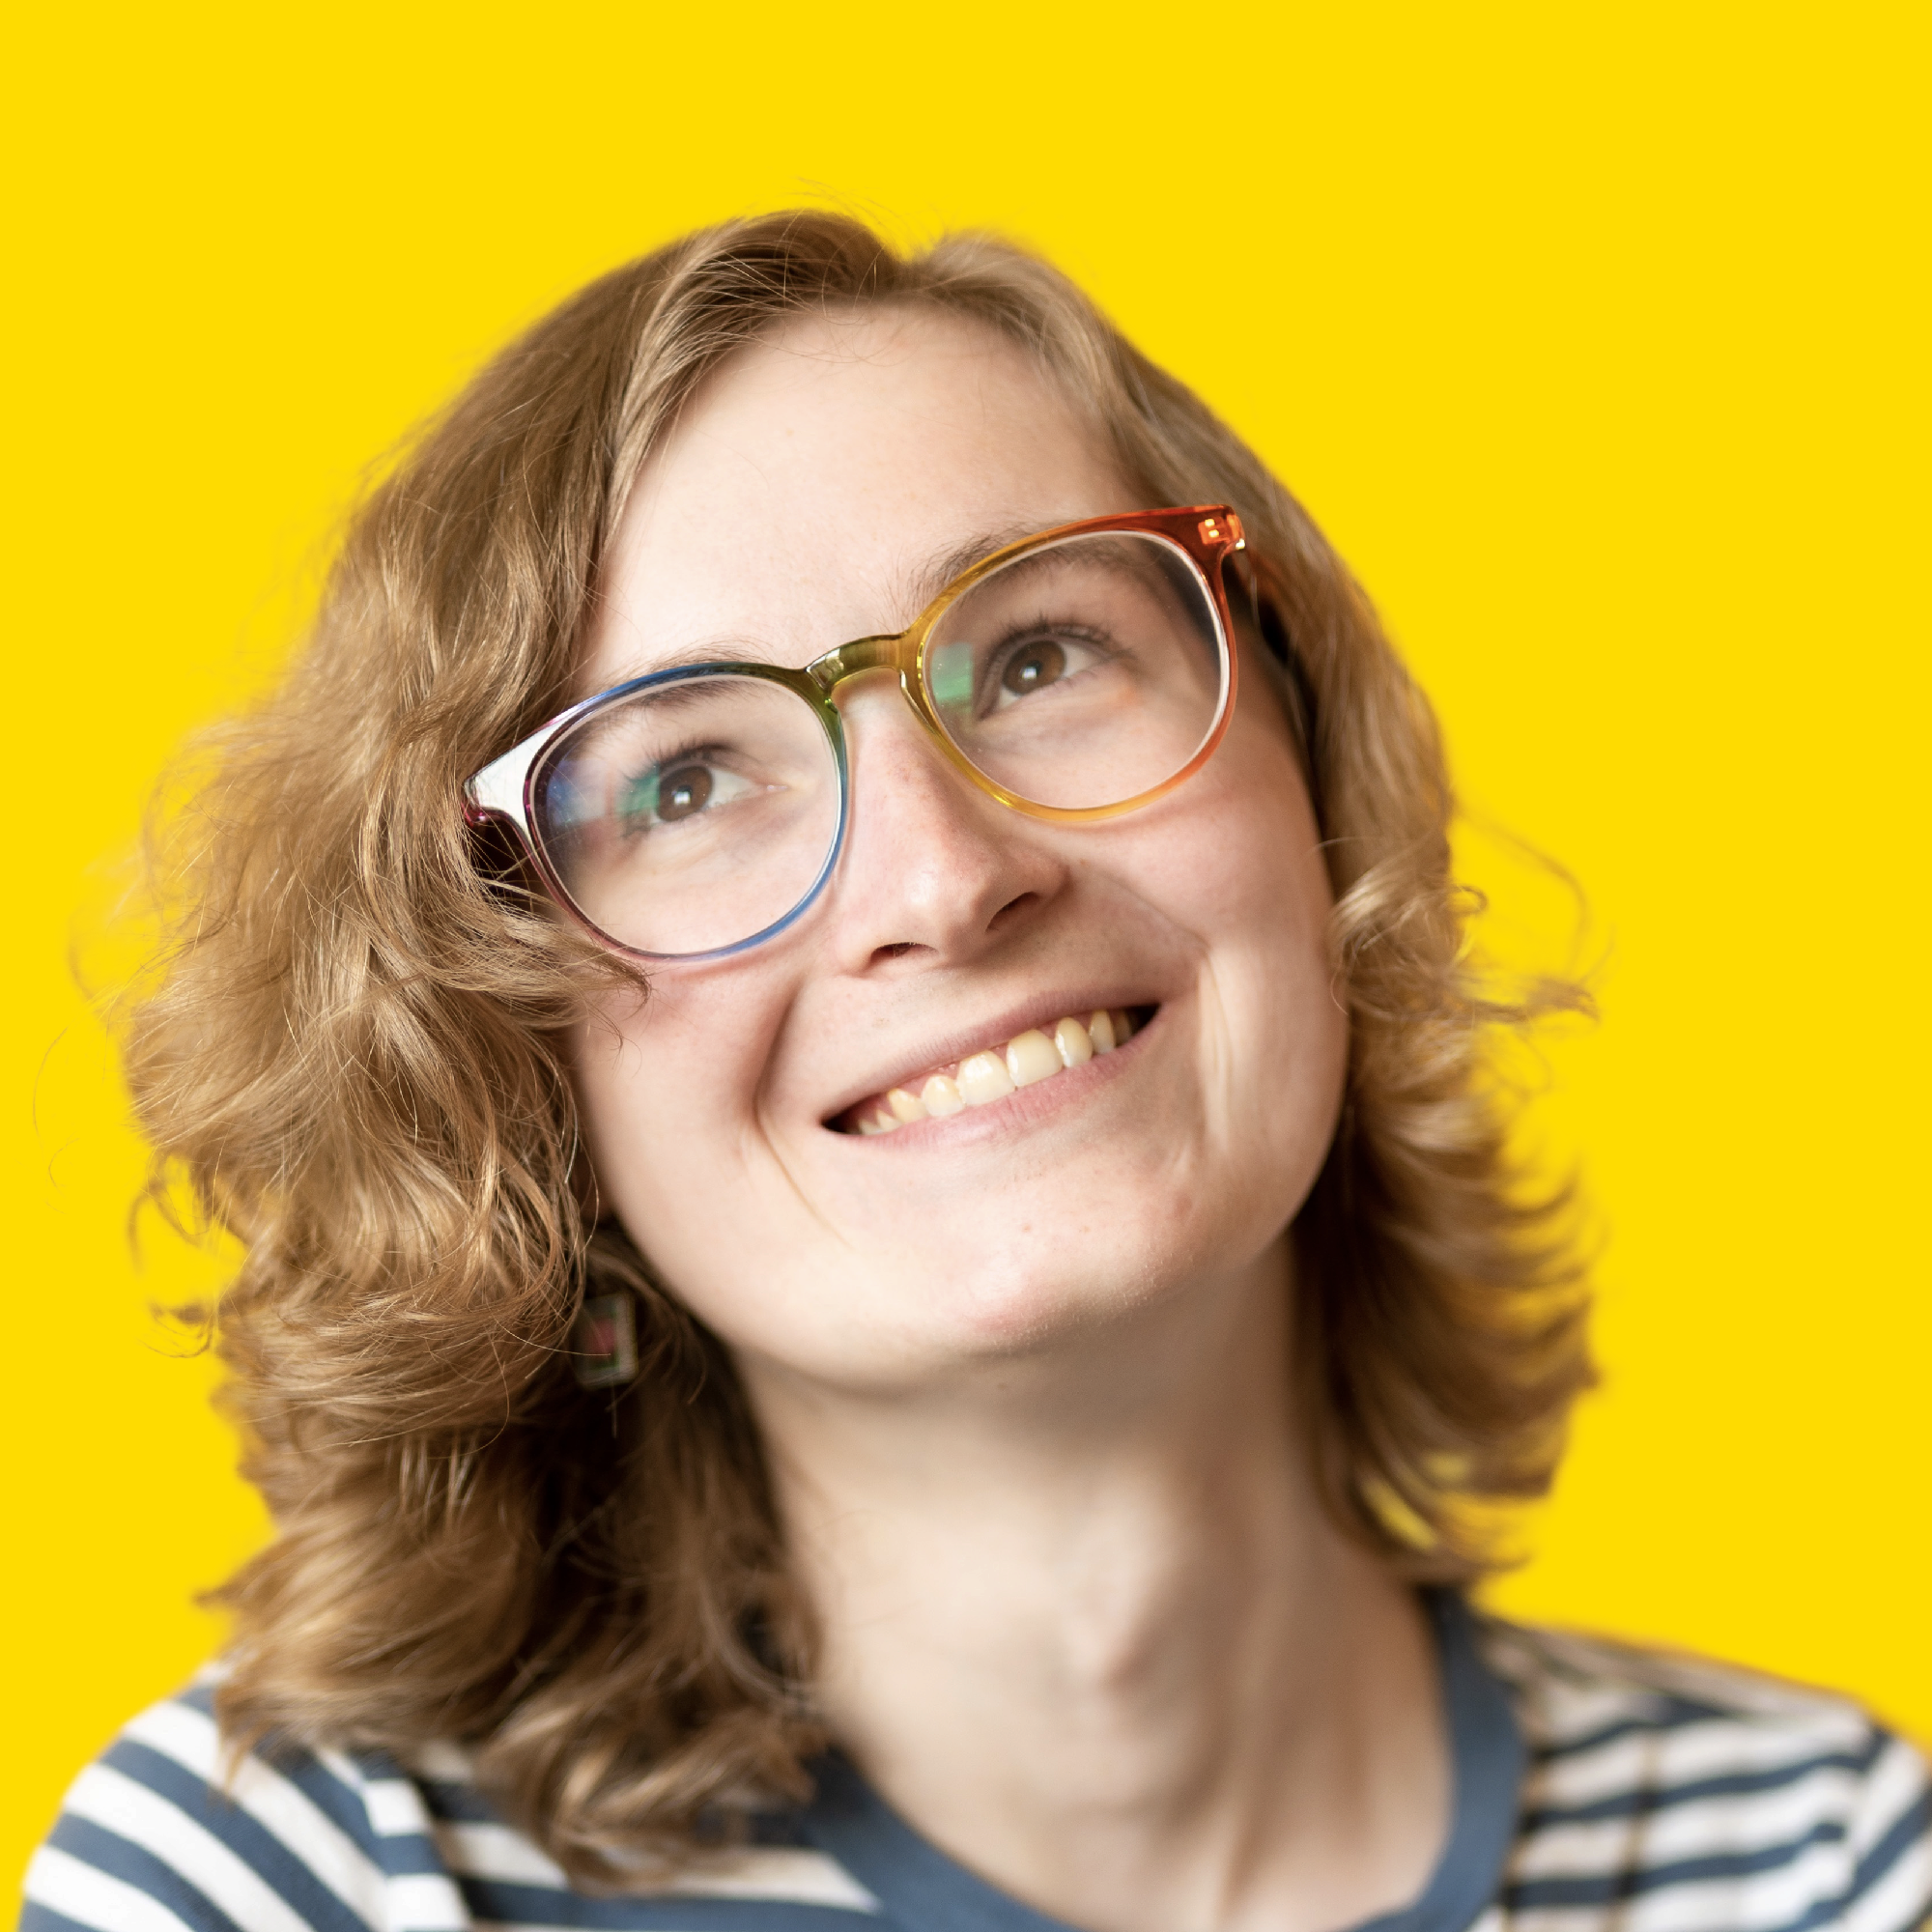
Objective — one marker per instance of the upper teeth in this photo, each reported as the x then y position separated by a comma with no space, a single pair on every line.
982,1078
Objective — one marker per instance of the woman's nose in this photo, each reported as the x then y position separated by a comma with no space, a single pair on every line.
933,863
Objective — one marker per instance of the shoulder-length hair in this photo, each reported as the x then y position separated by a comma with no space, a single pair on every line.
352,1052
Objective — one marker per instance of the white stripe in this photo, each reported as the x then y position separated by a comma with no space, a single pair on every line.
1742,1905
395,1806
1561,1662
1901,1901
61,1884
1903,1897
496,1852
562,1925
791,1873
1569,1715
144,1818
1567,1688
426,1902
1682,1911
1762,1900
1570,1687
1890,1788
1703,1828
415,1901
576,1926
1662,1760
286,1812
1558,1918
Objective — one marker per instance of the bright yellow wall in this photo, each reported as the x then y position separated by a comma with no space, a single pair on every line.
1594,335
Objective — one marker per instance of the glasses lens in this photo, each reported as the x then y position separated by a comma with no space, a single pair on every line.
693,816
1085,673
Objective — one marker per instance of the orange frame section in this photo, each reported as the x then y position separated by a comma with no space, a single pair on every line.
1208,534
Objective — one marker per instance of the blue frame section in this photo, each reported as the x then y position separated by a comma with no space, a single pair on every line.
549,739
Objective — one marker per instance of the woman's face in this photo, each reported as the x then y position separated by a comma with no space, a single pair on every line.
811,492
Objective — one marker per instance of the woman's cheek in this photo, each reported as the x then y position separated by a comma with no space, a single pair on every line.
648,1111
670,1099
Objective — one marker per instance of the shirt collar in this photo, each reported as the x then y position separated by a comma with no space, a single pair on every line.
919,1886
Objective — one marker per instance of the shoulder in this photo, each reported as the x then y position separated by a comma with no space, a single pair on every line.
169,1830
1663,1791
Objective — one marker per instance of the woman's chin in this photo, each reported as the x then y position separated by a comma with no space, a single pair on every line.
1057,1298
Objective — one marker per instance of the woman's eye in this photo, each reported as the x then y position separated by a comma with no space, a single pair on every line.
680,791
1033,665
1039,662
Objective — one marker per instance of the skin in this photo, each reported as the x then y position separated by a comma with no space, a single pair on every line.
1023,1374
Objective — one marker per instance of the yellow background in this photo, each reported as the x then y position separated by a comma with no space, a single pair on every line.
1595,337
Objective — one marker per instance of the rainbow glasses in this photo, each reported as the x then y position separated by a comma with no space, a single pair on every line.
692,812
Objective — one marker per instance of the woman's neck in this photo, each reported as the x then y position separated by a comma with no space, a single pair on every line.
1083,1623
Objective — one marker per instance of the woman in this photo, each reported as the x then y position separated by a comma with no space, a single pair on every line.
881,1286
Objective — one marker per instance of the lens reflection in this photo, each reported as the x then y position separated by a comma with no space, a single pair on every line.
1084,673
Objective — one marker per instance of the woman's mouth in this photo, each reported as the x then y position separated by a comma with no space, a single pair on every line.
979,1079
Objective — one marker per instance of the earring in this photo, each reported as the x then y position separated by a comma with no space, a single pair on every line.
604,1340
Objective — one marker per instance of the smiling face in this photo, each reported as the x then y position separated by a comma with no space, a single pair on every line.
820,487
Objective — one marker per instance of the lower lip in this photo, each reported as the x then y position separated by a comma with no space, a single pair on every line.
1021,1108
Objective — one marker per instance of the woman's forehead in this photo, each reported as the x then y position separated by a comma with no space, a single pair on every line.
826,483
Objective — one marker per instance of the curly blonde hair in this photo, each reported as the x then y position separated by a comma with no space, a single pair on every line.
352,1052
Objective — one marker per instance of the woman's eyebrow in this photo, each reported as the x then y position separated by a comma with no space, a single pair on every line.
943,566
923,584
723,650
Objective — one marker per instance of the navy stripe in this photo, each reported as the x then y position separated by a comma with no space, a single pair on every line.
342,1805
251,1842
109,1852
1663,1712
1828,1912
1906,1831
401,1854
919,1886
451,1803
1732,1785
545,1905
197,1697
38,1918
1912,1826
1610,1888
1488,1759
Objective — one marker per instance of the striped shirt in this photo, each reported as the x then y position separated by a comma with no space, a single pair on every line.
1598,1789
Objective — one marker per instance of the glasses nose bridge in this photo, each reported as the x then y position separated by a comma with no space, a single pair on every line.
897,652
894,651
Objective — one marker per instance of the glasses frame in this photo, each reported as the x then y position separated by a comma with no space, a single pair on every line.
505,790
